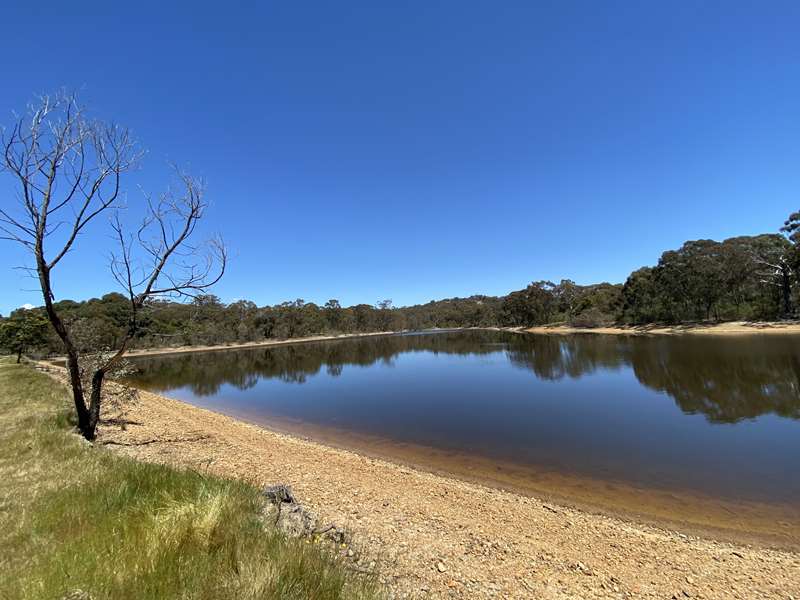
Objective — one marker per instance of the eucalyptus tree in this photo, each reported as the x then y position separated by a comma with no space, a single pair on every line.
68,170
385,319
22,330
767,263
791,229
642,298
532,306
333,314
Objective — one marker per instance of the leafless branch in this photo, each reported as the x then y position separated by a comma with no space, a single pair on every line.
161,259
68,170
62,160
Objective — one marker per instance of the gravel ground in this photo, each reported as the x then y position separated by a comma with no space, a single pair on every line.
433,536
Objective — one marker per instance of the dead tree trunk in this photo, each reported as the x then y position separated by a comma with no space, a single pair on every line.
94,401
68,169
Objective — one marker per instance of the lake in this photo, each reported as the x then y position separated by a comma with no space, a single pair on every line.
715,416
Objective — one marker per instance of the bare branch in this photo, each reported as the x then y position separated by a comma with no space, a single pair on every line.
170,264
67,165
54,147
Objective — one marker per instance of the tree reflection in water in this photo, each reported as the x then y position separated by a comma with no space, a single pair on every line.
727,379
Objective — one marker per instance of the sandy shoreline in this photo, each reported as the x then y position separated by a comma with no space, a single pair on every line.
729,328
490,543
264,344
691,512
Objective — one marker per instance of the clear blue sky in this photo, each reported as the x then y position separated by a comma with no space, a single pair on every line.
420,150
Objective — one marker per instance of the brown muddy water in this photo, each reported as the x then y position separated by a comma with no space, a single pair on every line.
683,424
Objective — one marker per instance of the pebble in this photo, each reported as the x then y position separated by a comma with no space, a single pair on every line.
440,567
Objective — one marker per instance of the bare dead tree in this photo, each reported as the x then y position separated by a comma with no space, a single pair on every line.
68,171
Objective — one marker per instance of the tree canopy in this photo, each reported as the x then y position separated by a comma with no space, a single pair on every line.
24,329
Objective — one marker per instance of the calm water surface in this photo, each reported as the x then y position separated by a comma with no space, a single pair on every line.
716,415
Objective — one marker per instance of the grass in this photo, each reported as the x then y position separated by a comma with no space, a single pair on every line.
81,522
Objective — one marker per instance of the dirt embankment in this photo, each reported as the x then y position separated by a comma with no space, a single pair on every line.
433,536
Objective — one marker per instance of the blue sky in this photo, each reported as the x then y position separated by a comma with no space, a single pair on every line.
421,150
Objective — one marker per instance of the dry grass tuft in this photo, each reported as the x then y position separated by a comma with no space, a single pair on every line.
78,521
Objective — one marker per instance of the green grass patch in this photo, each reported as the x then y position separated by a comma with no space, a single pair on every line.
75,518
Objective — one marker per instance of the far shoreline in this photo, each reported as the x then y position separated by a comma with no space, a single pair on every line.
724,328
250,345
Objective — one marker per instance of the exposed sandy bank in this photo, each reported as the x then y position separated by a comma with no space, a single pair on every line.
731,328
434,536
264,344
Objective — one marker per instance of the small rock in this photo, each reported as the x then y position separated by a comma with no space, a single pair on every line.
279,493
336,535
350,552
440,567
295,520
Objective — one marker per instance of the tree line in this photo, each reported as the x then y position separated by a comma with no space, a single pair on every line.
741,278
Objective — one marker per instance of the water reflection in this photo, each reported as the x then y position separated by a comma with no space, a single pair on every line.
726,379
